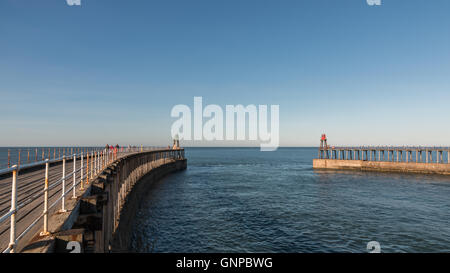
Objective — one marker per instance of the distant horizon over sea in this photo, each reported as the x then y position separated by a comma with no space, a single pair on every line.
28,153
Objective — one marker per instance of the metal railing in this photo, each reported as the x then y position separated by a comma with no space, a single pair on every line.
23,156
91,164
422,154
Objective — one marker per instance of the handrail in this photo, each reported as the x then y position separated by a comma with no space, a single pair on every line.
435,148
42,162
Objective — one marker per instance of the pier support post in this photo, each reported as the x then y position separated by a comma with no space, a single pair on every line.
81,172
45,231
12,234
74,196
63,190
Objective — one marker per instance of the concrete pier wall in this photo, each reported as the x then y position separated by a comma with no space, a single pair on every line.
121,238
384,166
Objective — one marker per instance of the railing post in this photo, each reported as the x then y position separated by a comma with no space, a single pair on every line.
98,162
92,164
87,168
63,192
12,237
81,172
74,196
45,231
9,158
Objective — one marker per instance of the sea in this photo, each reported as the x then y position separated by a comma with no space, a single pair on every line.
244,200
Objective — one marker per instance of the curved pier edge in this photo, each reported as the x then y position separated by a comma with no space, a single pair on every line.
100,220
122,237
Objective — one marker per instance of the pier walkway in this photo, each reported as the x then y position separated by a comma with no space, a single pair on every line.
29,194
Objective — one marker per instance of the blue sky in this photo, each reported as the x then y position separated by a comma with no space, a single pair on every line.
110,71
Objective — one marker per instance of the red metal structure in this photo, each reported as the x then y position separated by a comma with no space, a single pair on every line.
323,149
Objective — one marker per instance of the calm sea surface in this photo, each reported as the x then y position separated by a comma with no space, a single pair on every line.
244,200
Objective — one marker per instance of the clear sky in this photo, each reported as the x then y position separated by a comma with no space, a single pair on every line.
110,71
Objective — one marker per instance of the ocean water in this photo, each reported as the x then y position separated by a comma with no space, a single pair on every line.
244,200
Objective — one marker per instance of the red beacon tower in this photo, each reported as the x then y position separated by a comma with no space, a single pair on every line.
323,149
